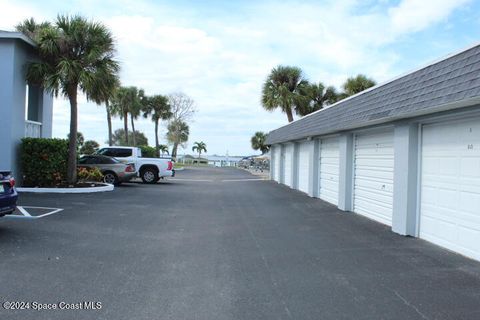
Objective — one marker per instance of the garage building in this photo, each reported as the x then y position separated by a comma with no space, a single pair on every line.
405,153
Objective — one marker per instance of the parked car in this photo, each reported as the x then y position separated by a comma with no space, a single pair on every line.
149,169
114,171
8,194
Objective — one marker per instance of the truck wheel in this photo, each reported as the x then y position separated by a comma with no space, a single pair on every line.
149,175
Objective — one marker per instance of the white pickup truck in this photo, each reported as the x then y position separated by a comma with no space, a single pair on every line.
149,169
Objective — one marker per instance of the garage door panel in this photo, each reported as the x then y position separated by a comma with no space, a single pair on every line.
329,167
375,139
330,163
377,164
470,167
381,197
304,175
470,202
330,196
287,167
468,238
330,185
373,175
450,190
374,208
433,226
328,177
375,211
277,156
440,226
375,186
433,165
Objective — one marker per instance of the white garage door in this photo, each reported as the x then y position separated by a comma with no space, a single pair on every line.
373,187
450,187
276,165
328,170
287,164
304,174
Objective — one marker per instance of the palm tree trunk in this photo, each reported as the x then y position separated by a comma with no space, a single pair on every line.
289,113
156,138
174,150
125,127
109,121
133,129
72,143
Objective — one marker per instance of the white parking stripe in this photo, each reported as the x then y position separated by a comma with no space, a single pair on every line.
240,180
49,213
23,211
226,180
27,215
193,180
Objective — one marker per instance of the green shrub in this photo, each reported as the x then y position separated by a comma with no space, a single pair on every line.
43,161
85,174
149,152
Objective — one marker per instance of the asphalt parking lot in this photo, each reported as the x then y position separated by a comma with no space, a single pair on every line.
217,243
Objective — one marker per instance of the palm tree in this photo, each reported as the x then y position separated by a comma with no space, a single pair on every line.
357,84
106,94
178,132
128,102
199,147
314,96
258,142
74,54
135,98
120,108
80,139
281,89
163,149
31,28
159,109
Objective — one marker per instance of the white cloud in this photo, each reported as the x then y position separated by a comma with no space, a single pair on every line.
12,13
415,15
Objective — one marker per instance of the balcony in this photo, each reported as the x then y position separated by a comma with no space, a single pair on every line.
33,129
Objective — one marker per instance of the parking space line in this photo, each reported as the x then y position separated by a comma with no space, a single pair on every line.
49,213
240,180
26,215
225,180
194,180
23,211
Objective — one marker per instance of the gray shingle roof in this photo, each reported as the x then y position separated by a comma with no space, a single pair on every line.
16,35
446,83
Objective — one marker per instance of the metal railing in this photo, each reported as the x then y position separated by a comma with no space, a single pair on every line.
33,129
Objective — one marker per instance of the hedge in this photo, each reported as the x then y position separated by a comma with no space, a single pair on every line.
44,161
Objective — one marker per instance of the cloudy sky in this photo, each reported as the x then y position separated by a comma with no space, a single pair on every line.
219,52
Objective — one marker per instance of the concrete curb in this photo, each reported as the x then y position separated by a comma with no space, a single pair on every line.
179,169
106,187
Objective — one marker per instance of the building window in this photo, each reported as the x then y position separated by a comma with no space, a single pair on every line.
33,103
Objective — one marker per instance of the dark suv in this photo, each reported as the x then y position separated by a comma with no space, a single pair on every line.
8,194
